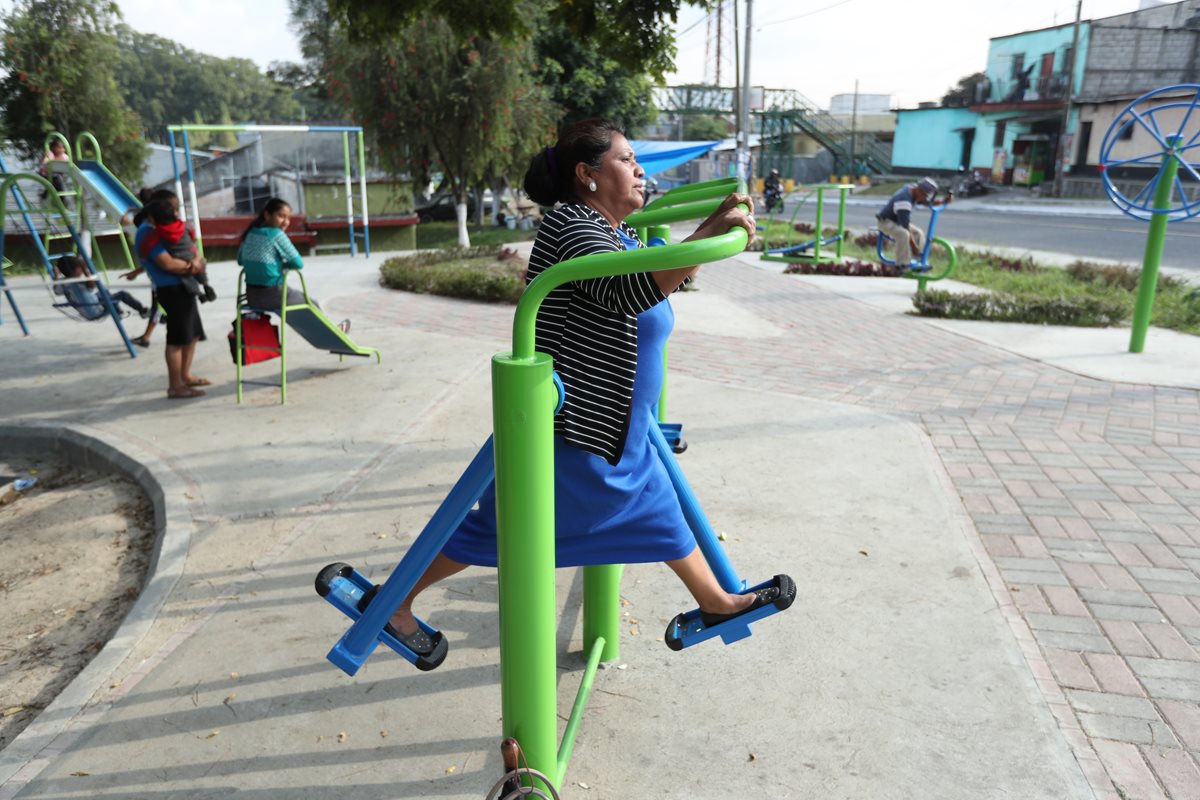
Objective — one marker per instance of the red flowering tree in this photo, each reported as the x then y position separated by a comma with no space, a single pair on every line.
57,66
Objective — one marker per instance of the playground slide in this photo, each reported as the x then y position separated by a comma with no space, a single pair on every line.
321,333
114,198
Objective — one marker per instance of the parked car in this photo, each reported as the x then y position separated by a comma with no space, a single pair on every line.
441,207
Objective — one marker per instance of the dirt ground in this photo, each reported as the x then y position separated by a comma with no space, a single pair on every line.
73,556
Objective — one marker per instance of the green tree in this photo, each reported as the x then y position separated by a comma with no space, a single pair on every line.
585,82
705,127
430,94
169,84
637,34
58,63
963,92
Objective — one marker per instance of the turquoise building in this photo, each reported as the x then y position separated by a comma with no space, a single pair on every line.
1011,128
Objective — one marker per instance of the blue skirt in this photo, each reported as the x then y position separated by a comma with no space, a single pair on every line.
604,514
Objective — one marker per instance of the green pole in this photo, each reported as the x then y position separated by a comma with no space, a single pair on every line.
841,219
816,257
602,609
662,232
523,400
1148,282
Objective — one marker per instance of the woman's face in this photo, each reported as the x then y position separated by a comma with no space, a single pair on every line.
620,181
280,218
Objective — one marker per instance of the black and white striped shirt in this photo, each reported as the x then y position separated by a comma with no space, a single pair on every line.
590,329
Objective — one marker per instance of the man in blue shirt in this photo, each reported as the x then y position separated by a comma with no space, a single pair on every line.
895,219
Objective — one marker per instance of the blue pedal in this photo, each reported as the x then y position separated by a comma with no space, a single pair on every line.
673,433
688,628
345,587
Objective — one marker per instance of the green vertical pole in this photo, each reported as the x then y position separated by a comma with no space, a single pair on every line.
820,224
349,188
523,400
602,609
841,220
662,232
362,185
1148,282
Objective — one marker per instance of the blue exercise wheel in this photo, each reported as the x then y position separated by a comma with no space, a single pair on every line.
1159,127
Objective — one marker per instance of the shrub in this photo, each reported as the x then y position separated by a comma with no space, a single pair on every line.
478,273
1063,310
868,239
848,267
1116,275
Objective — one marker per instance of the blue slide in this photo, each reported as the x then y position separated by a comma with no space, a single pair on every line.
114,198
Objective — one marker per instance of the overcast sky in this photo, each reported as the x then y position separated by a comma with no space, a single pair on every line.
912,50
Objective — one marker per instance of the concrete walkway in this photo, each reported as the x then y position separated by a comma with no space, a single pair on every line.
997,558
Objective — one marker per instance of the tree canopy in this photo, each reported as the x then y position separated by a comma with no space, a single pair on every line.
59,62
636,34
963,92
169,84
585,82
431,95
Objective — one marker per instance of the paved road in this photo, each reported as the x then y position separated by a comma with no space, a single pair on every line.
1103,237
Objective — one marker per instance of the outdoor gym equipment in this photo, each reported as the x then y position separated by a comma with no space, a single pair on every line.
520,457
810,252
1165,197
937,260
52,212
304,318
347,131
653,226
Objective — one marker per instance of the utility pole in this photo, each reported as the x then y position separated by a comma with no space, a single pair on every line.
1061,154
743,145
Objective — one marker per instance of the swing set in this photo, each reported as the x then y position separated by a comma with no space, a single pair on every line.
519,457
49,221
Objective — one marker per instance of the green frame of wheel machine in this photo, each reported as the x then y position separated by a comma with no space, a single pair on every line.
524,397
818,235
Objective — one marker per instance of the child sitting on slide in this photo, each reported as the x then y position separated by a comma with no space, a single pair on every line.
177,238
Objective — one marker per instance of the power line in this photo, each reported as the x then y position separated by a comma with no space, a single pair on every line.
802,16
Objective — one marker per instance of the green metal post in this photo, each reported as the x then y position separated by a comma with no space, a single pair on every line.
362,186
662,232
602,609
841,231
1148,282
816,257
523,400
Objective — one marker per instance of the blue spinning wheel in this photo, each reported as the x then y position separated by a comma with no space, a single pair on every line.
1170,118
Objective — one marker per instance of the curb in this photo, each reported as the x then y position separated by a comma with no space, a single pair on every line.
89,447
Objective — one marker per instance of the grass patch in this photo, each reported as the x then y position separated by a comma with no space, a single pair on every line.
441,235
1021,290
478,273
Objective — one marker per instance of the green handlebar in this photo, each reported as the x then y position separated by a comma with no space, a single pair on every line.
706,190
665,215
87,137
603,265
